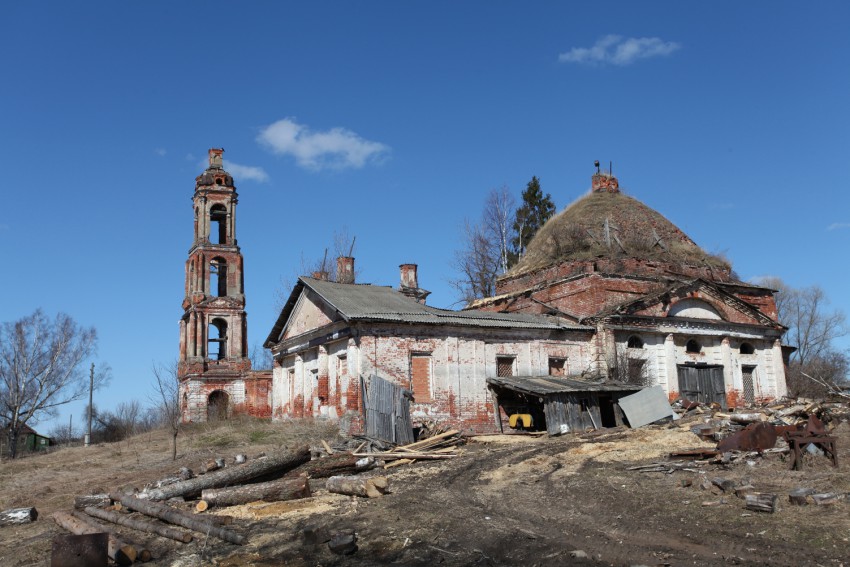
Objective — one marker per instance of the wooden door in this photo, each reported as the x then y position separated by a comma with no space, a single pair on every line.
702,384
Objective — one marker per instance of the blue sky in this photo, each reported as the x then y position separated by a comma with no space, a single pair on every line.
394,119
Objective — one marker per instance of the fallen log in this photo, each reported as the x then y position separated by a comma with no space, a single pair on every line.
761,502
337,464
96,500
140,525
214,465
357,486
232,476
407,455
274,491
15,516
120,552
179,518
827,498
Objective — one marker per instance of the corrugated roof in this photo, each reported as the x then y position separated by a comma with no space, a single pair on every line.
543,385
363,302
382,303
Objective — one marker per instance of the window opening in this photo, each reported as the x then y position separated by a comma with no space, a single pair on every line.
218,222
218,336
635,342
505,366
749,384
557,366
747,348
693,347
218,277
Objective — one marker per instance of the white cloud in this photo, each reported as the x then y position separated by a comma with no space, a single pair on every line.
160,152
245,171
336,148
838,225
619,50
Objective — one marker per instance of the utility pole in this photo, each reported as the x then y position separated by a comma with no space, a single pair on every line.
91,396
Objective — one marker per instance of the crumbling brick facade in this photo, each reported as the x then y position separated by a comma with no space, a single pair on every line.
216,381
612,292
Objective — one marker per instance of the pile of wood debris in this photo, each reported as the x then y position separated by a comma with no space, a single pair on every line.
182,499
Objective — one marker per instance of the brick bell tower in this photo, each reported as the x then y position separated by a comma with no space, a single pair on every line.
213,364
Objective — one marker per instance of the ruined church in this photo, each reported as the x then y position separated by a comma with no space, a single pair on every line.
609,298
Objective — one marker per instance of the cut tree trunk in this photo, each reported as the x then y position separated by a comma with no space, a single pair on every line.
141,554
357,486
762,502
118,551
96,500
232,476
140,525
179,518
14,516
274,491
800,496
337,464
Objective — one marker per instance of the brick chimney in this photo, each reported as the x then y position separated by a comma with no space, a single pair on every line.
408,276
602,182
410,283
216,158
345,269
321,275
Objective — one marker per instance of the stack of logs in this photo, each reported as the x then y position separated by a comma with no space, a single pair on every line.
284,476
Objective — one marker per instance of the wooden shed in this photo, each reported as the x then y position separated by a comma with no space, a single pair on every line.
560,405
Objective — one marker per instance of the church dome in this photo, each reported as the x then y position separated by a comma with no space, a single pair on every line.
608,224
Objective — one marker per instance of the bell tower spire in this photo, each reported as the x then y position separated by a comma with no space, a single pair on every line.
213,329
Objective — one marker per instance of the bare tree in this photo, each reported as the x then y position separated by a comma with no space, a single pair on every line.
485,252
816,368
40,369
478,264
498,220
261,358
166,397
342,245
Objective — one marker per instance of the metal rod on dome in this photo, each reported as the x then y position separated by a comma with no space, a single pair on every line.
610,168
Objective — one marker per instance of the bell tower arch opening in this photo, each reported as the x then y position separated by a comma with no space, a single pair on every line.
213,364
218,224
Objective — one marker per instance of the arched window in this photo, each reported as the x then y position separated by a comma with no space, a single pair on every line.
747,348
217,405
218,224
635,342
217,335
693,347
218,277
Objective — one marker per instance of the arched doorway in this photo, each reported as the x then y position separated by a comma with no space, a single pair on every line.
217,405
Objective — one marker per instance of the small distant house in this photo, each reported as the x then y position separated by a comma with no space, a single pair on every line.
29,440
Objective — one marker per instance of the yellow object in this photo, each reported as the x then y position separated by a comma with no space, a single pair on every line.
525,417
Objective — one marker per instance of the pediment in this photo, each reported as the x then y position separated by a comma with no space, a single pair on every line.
310,312
696,300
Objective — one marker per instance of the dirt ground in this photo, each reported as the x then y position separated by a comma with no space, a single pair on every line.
507,500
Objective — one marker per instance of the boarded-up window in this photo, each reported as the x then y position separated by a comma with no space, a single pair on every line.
420,377
557,366
504,366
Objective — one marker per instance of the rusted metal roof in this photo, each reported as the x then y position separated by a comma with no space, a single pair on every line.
545,385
